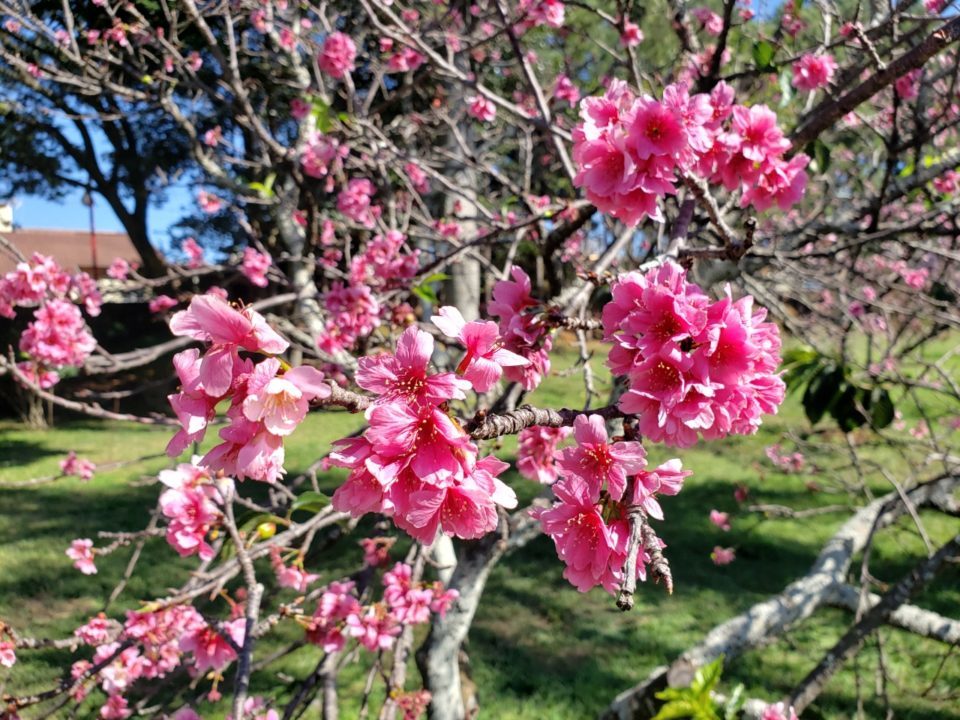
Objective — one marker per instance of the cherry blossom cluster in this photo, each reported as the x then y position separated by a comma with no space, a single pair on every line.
788,462
537,452
414,462
148,646
633,151
588,523
191,504
695,367
524,332
340,615
268,399
58,336
72,465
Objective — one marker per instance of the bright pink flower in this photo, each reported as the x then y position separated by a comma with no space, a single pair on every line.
481,108
290,576
115,708
8,656
666,479
211,650
193,252
812,72
191,504
376,551
564,89
374,629
710,21
58,335
583,540
335,605
523,332
81,552
354,202
406,59
299,108
323,156
119,269
81,467
722,556
210,319
486,357
36,375
404,375
337,55
548,12
779,711
655,130
907,86
281,402
255,266
537,452
97,631
161,303
418,178
209,202
720,519
600,464
632,35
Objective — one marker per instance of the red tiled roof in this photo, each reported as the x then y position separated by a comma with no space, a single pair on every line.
70,248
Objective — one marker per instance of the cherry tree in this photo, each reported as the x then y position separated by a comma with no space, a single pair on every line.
418,198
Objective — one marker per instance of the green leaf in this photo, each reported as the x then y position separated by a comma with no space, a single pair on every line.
763,53
822,392
677,709
264,189
731,710
435,277
321,115
426,293
707,677
310,501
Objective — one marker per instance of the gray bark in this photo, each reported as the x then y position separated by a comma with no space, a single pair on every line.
772,617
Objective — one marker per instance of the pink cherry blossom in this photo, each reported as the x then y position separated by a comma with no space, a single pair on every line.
481,108
404,375
161,303
354,201
210,319
812,72
720,519
119,269
632,35
779,711
597,462
255,266
210,648
193,252
191,504
483,363
81,552
81,467
209,202
8,657
722,556
537,452
58,335
337,55
281,402
548,12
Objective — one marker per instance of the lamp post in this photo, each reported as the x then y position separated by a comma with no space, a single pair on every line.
88,201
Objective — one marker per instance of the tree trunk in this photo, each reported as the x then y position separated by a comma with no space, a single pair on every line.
439,657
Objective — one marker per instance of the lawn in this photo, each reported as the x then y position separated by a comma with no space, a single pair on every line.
538,649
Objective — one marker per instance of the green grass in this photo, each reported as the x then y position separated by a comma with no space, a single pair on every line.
538,648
